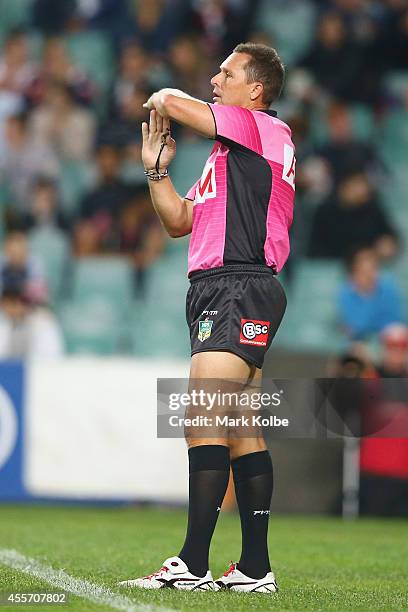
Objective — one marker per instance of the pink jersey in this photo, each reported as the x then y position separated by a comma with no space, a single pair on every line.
243,202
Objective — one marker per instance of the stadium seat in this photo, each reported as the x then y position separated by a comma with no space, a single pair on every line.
4,199
289,24
394,138
92,327
51,247
159,327
310,322
14,14
167,278
396,83
399,270
93,52
107,278
178,244
395,189
75,180
188,165
362,120
362,123
317,278
158,332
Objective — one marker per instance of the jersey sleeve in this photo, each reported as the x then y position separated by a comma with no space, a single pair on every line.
190,195
236,125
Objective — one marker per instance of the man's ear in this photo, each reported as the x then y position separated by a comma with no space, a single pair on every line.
256,91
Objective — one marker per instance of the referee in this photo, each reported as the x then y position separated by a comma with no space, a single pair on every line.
238,214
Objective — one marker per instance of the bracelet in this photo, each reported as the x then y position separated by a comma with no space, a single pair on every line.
153,175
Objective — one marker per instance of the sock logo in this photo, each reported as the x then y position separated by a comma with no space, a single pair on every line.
261,512
254,332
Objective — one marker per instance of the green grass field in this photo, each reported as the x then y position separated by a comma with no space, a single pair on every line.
320,563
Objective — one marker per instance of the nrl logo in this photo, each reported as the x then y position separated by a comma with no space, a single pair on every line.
204,329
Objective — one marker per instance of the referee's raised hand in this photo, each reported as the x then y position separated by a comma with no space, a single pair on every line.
154,133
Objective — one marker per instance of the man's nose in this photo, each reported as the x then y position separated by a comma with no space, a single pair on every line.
214,79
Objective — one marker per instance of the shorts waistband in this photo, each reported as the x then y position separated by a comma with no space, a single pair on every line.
231,269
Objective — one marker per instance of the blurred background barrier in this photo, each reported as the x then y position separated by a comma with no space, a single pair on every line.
94,441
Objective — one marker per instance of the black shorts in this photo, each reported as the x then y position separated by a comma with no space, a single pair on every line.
236,308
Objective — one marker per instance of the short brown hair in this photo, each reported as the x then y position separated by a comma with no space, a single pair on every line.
264,66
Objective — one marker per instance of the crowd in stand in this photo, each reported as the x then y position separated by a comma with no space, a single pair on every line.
60,114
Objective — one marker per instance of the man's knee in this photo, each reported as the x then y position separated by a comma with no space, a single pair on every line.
245,446
192,442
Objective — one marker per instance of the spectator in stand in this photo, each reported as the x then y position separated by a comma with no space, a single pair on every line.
44,210
97,229
355,219
155,23
141,236
15,76
134,68
69,127
20,271
384,460
25,158
27,331
189,66
392,45
394,363
123,127
109,15
368,300
16,69
343,152
222,24
57,67
52,17
336,60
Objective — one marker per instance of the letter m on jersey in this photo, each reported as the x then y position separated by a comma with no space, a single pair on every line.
207,187
289,163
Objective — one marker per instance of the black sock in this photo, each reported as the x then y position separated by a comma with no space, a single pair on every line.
209,473
253,479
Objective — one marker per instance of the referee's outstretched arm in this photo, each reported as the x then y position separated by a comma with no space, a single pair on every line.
179,106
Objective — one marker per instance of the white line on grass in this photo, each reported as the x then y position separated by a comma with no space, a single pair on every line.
78,586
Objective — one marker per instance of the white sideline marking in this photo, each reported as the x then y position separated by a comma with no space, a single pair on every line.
78,586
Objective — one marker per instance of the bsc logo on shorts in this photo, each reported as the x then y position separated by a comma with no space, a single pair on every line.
254,332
